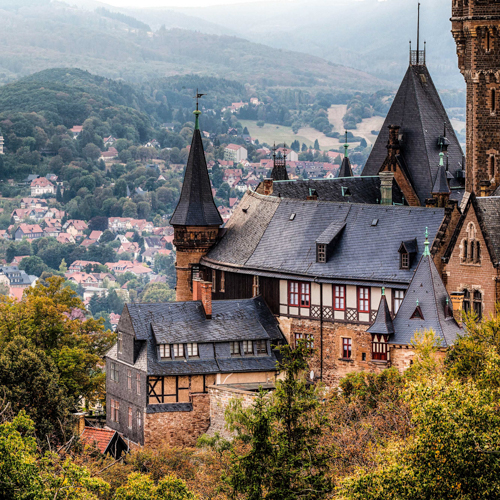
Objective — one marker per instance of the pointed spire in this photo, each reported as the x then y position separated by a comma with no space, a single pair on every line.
383,321
196,205
279,172
345,169
441,185
426,253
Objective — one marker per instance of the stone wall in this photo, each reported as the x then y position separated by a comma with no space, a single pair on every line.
180,428
219,400
334,367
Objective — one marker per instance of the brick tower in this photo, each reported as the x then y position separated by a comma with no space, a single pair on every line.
476,29
196,219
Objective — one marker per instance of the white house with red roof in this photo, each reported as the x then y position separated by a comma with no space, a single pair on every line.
75,227
42,186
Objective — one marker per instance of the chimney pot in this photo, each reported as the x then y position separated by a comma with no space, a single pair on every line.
197,288
206,298
457,300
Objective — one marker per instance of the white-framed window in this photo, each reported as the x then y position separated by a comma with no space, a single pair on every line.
114,373
256,286
234,348
130,417
222,281
192,350
129,380
115,411
339,298
164,351
247,347
320,252
139,418
178,350
399,295
346,348
308,337
138,383
119,342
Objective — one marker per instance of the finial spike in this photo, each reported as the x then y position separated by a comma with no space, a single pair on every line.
383,291
426,253
346,146
417,302
197,112
418,32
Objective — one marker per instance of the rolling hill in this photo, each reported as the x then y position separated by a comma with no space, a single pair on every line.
46,35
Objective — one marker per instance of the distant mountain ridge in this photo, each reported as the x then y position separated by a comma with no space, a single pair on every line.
45,35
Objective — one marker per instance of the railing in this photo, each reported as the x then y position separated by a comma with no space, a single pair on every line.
417,57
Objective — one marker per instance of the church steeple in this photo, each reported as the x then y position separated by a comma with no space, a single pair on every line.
196,219
345,169
279,172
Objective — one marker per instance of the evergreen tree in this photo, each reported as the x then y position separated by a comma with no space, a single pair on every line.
59,196
316,145
282,432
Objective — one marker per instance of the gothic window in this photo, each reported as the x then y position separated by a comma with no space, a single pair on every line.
138,383
139,418
129,417
222,281
471,247
114,373
493,97
492,167
129,380
473,302
120,342
214,280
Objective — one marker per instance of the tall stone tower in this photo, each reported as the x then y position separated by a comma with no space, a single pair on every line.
476,29
196,219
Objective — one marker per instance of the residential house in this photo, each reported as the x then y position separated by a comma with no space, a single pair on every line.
42,186
152,242
83,279
95,235
76,131
80,265
290,154
109,141
65,238
109,155
90,291
33,203
108,442
75,227
16,278
29,231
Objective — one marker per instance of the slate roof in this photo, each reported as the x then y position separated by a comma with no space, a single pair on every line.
344,189
441,182
345,169
383,322
489,215
264,240
183,322
428,288
418,110
196,205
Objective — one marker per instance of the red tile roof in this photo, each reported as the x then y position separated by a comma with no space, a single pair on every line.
100,437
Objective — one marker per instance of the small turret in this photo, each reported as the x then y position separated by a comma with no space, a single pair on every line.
196,219
441,190
279,172
345,169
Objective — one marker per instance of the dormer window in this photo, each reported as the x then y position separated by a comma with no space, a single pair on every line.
164,351
407,251
234,348
178,350
247,347
405,260
261,347
192,350
320,252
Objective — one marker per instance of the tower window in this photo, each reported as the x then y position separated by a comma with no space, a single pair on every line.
493,100
492,167
405,260
488,41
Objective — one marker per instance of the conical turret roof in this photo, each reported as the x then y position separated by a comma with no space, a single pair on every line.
196,205
383,322
345,169
418,111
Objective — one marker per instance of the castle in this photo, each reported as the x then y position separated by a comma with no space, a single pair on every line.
352,265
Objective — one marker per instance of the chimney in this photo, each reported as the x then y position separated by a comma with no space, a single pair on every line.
78,423
313,195
197,289
386,179
265,187
206,298
457,299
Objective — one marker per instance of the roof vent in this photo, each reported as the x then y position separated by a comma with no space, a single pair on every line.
292,217
374,222
346,191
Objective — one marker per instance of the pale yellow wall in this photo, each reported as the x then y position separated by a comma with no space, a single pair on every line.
316,294
351,297
327,295
283,292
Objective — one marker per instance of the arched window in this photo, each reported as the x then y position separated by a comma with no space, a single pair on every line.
488,41
493,100
492,167
473,302
470,246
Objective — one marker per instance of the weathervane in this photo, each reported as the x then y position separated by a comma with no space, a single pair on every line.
198,97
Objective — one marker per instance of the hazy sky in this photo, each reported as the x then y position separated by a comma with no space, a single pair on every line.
172,3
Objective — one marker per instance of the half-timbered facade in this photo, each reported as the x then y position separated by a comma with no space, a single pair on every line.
321,267
167,355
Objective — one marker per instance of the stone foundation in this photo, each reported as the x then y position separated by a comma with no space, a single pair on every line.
178,428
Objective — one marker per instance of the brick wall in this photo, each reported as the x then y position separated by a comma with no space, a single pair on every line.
459,276
219,400
178,428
